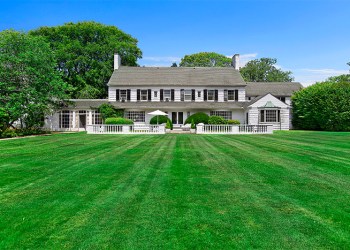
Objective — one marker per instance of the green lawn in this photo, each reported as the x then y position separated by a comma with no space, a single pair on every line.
287,190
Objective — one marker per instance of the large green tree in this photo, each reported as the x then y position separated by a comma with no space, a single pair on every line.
30,85
264,70
205,59
324,105
85,52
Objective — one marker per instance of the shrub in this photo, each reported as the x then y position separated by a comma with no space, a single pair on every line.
199,117
118,120
169,124
108,110
323,106
9,133
233,122
193,126
161,119
216,120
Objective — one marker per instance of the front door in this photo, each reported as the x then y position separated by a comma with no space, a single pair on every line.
177,117
82,121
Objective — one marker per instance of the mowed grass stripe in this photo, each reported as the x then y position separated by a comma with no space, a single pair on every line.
286,190
270,182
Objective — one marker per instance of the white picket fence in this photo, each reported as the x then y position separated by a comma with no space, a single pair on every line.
125,129
234,129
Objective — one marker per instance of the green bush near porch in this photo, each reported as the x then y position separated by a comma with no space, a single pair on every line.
199,117
118,120
216,120
161,119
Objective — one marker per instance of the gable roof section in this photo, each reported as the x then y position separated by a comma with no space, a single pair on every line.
176,76
267,99
274,88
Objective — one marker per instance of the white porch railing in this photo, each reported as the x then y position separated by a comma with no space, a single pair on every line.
125,129
234,129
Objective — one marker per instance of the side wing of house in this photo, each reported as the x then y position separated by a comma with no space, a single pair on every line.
268,109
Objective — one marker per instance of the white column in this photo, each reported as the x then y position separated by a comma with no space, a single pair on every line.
199,128
90,118
74,119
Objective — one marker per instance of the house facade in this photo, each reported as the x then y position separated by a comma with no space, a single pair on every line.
181,92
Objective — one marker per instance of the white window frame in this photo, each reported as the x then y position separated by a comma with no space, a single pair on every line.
269,115
63,116
231,95
136,116
227,115
143,95
167,94
188,95
211,92
123,94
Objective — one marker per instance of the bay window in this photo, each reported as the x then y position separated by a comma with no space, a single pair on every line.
270,115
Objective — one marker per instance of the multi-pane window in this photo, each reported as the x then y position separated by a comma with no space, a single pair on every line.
211,95
231,95
123,94
136,116
156,94
199,93
188,95
96,118
227,115
143,95
270,115
65,119
167,94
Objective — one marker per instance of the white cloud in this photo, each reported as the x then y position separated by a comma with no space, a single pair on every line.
311,76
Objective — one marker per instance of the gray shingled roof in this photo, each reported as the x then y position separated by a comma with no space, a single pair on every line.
95,103
274,88
176,76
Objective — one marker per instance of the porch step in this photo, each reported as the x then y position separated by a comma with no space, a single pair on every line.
179,131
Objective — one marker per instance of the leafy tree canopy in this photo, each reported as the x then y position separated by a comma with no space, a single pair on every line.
205,59
324,105
264,70
85,53
29,83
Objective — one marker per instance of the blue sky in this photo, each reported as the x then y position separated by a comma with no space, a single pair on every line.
309,37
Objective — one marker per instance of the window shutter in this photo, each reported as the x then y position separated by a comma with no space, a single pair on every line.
117,96
173,94
182,95
128,95
205,96
149,95
236,95
216,95
138,95
279,115
225,95
161,95
193,94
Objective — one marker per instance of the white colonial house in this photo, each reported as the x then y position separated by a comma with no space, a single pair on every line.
181,92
